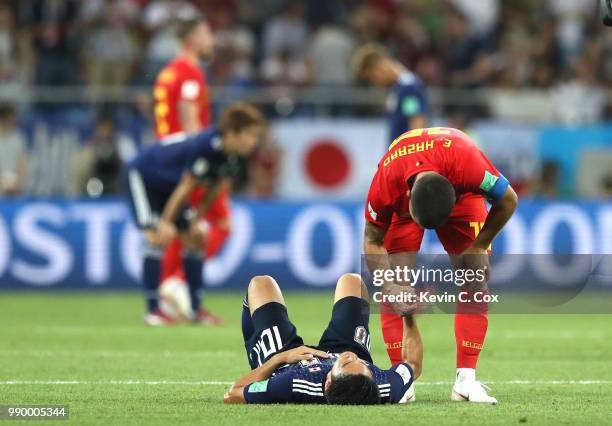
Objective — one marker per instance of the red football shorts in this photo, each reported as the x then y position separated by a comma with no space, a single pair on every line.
456,235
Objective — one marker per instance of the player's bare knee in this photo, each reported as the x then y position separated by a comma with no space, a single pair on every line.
350,285
263,289
153,240
262,282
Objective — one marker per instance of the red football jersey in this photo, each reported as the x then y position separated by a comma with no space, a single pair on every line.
448,152
179,81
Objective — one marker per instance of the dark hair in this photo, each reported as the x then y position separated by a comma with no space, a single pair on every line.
352,389
431,200
184,27
239,116
367,56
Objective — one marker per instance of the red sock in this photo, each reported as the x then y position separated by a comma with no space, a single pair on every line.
214,241
393,331
471,321
172,264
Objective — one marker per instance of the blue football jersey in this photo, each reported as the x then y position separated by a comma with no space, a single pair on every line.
408,100
162,164
303,383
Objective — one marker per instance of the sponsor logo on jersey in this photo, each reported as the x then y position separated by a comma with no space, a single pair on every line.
309,362
200,167
361,336
190,90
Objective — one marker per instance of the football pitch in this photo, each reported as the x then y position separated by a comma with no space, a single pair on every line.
93,353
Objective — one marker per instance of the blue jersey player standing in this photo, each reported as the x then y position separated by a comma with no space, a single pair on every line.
407,106
339,370
161,179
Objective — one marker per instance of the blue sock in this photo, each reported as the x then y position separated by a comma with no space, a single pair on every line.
247,322
151,273
192,264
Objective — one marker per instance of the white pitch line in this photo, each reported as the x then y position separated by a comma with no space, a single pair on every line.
222,383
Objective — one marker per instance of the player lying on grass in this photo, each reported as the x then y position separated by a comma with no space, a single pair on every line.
438,179
339,370
160,181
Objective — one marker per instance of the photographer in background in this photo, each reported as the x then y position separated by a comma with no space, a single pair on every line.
97,166
13,154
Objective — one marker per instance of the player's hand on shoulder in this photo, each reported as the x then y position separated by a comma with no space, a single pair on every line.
300,354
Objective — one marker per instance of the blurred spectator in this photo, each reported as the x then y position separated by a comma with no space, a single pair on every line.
606,186
514,63
159,13
408,39
55,41
320,12
110,49
330,52
158,19
93,10
265,168
13,154
234,50
572,16
546,58
482,15
460,50
370,22
458,43
9,61
580,99
97,166
283,70
286,33
549,180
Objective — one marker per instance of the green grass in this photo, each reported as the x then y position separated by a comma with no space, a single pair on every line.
99,338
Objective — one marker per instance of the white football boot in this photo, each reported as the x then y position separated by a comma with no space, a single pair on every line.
409,396
468,389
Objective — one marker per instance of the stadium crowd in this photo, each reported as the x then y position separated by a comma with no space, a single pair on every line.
553,45
452,43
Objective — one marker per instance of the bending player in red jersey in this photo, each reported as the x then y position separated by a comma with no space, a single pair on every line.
182,105
438,179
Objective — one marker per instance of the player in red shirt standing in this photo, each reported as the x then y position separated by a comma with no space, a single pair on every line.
182,105
437,179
